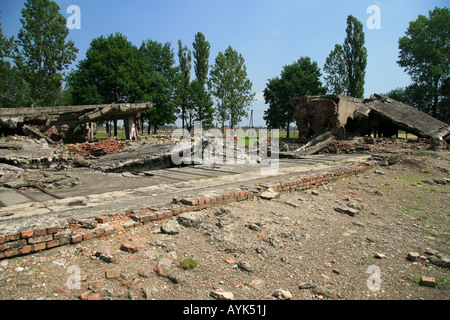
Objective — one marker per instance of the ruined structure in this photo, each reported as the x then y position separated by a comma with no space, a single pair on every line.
347,116
69,120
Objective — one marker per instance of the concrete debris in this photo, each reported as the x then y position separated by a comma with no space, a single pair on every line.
379,115
221,294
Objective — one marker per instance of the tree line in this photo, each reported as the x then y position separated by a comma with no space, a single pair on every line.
34,71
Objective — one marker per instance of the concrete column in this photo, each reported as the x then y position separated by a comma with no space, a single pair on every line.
130,128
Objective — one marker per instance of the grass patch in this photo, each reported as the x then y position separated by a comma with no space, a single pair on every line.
188,263
414,207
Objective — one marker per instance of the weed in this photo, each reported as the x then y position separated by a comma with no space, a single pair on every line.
188,263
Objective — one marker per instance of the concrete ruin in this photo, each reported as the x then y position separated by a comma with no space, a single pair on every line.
381,116
54,123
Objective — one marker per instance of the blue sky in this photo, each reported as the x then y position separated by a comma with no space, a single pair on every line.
268,33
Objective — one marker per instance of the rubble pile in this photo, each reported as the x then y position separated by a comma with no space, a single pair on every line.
94,150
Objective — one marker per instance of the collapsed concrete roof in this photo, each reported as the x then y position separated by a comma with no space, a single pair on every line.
333,112
11,117
407,117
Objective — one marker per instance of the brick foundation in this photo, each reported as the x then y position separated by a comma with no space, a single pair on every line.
30,241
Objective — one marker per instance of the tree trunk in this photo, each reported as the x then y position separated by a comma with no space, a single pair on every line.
287,131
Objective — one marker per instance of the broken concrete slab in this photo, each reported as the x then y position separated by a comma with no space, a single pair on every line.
343,116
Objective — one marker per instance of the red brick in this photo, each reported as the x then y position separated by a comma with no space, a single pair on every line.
88,235
26,234
11,253
84,295
102,219
40,232
13,236
95,296
129,247
39,246
25,250
52,230
2,239
76,238
52,244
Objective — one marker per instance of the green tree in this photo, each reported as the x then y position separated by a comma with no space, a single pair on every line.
109,72
345,67
157,82
230,86
202,104
201,56
184,58
336,71
297,79
201,99
13,89
43,53
355,57
425,56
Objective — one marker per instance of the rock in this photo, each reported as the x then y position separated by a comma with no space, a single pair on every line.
380,255
428,282
191,219
377,171
87,224
257,283
315,193
306,285
106,255
321,291
413,256
129,247
281,294
221,294
347,210
269,194
244,265
170,227
440,260
112,274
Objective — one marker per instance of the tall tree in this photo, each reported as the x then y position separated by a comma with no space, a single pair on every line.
355,56
13,89
184,58
43,53
336,71
297,79
425,56
230,86
201,56
157,82
109,72
201,99
202,104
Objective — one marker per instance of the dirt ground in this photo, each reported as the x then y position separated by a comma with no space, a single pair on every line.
299,243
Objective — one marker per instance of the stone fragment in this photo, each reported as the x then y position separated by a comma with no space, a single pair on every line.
281,294
257,283
269,194
428,282
112,274
244,265
221,294
347,210
413,256
191,219
129,247
170,227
